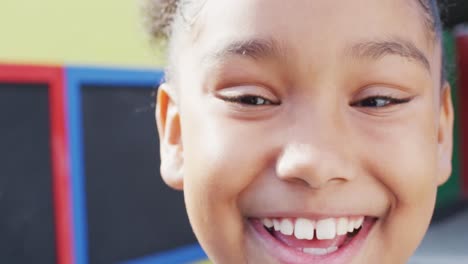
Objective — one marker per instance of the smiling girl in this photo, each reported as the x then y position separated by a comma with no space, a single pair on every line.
304,131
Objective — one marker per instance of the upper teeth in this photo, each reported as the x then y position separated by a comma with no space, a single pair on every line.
303,228
276,224
287,227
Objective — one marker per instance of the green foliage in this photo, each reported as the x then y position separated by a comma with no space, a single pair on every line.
451,191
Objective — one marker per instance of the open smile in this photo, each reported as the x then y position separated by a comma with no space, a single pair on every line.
302,240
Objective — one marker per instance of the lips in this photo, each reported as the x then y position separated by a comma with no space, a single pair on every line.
302,240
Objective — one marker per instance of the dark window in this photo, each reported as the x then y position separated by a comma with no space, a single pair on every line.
26,214
131,212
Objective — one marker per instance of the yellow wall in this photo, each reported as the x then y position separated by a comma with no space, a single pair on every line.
104,32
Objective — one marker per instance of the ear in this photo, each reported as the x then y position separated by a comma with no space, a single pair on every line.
170,140
445,135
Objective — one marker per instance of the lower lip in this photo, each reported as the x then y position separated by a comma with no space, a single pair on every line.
287,255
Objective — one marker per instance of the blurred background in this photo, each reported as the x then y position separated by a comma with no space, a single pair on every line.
79,156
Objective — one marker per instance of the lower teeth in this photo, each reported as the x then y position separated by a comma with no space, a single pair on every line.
319,251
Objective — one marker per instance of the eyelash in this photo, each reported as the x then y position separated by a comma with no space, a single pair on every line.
246,100
369,102
373,101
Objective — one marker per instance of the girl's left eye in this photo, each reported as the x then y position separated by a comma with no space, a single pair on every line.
379,102
249,100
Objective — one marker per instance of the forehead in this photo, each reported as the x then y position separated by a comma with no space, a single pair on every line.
314,23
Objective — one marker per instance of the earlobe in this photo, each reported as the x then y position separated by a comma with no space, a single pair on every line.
445,135
170,140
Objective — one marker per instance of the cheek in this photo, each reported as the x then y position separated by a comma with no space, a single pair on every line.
403,158
221,158
407,165
402,152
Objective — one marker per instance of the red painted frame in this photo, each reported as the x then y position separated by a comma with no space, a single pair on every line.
54,77
462,52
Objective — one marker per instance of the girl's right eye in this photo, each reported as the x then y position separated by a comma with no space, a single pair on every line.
248,96
249,100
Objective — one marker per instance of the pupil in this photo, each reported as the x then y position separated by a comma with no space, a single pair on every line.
253,100
375,102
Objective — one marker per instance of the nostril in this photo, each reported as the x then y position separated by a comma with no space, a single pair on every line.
313,183
338,180
299,181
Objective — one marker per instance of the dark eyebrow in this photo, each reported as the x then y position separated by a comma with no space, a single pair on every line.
256,49
263,48
378,49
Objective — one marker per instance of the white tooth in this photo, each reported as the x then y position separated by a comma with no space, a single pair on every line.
331,249
304,229
342,226
326,229
315,251
287,227
276,224
267,223
350,226
358,222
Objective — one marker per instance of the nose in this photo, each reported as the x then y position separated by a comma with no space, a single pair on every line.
312,166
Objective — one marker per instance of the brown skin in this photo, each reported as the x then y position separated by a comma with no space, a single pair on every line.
236,161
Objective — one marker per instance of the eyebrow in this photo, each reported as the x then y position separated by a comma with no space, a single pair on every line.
256,49
376,50
263,48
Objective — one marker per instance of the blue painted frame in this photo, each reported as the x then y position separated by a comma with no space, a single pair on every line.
181,255
75,77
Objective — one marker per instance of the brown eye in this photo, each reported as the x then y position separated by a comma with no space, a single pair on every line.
379,102
254,100
250,100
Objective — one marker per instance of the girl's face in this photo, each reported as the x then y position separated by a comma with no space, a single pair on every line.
316,117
